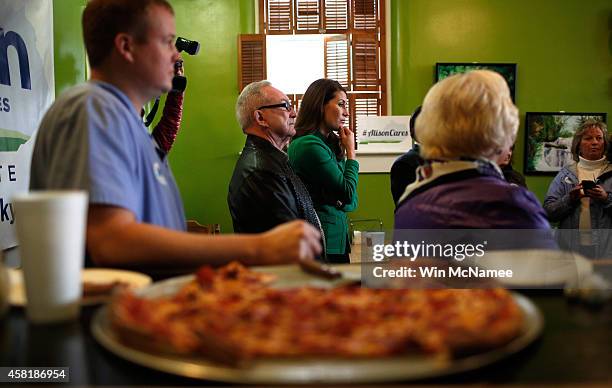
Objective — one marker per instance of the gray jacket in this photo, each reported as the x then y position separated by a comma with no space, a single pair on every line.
560,208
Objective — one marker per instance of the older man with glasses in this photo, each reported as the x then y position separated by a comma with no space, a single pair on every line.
265,191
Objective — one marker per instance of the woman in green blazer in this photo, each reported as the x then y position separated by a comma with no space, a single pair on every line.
323,155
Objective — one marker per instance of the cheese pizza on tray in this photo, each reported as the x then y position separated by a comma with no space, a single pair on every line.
234,314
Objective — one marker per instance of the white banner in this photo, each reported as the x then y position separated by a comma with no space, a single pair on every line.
383,129
383,134
26,91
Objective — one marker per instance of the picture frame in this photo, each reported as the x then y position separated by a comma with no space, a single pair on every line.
548,139
506,70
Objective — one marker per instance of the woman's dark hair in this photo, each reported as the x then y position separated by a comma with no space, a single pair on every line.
312,111
589,123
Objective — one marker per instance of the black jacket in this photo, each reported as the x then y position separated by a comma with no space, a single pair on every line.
513,176
265,191
403,172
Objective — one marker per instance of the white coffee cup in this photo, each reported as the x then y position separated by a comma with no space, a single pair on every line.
51,235
356,237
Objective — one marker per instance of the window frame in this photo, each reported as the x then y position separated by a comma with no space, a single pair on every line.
360,91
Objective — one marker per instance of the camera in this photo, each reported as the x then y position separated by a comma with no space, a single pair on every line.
191,47
588,185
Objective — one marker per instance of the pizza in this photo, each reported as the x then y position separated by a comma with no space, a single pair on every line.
233,314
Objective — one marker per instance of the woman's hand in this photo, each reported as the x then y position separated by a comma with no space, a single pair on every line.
576,192
347,138
178,67
597,193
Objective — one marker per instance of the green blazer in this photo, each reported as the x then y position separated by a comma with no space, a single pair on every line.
332,184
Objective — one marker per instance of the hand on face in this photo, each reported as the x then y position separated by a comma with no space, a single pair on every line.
347,138
178,67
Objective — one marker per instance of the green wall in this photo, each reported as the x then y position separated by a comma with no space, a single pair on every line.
69,52
563,49
208,143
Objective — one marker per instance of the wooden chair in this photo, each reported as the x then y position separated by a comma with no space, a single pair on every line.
194,226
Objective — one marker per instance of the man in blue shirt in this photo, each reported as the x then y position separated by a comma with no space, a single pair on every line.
93,139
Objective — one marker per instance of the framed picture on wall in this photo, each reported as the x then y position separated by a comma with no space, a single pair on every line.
548,139
507,70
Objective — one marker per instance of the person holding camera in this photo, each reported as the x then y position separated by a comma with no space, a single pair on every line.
168,126
580,196
93,138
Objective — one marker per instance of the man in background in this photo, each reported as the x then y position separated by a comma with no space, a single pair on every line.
403,171
265,191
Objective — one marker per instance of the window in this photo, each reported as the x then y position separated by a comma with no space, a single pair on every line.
294,61
353,45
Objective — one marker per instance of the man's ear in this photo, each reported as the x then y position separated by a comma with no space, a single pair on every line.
124,44
259,119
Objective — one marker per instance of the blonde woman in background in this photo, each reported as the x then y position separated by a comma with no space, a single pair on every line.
467,121
580,195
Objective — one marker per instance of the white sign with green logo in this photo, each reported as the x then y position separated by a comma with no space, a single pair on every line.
383,134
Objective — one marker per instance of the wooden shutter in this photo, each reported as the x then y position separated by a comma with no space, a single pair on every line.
365,58
356,58
321,16
278,17
307,16
252,59
364,104
366,15
337,59
336,15
296,100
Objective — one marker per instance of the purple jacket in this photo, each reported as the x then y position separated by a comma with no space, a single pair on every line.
456,195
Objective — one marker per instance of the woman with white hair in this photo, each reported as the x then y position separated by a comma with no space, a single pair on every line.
466,122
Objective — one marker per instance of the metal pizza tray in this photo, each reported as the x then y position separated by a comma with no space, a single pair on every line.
310,370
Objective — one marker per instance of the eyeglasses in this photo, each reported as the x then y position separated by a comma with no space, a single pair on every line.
285,104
